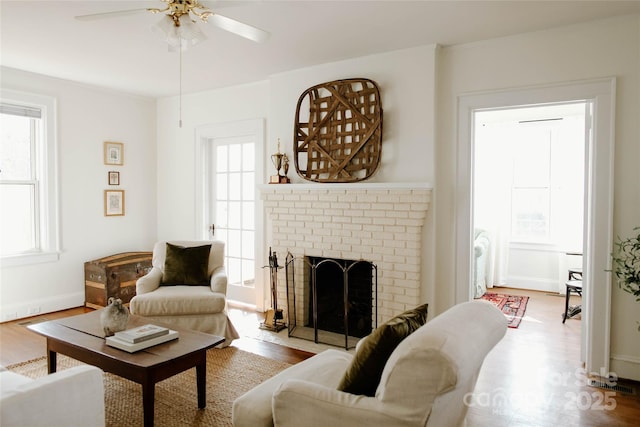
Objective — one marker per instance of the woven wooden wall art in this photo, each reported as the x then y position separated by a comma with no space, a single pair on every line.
338,131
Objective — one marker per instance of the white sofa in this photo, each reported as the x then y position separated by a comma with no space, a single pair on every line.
424,381
199,308
72,397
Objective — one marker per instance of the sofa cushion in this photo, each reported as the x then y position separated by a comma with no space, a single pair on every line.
179,300
186,265
363,375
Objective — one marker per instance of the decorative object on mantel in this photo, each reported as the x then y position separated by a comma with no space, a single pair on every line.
280,161
274,319
340,139
114,317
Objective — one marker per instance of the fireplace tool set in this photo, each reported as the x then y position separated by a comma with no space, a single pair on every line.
274,319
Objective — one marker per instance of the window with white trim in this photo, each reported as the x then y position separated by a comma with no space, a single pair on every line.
28,196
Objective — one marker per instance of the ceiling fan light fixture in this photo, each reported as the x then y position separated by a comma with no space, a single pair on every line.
180,35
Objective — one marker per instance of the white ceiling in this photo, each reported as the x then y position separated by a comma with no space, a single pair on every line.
123,53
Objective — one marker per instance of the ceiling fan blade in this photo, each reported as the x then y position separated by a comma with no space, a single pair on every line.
244,30
105,15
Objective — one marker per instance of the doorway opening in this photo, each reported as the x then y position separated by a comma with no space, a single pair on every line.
528,192
228,167
598,194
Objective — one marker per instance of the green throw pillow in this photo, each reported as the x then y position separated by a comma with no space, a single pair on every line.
186,265
363,375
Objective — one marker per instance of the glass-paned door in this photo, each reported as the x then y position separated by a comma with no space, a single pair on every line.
233,211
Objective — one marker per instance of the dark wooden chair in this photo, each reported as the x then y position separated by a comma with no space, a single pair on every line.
574,285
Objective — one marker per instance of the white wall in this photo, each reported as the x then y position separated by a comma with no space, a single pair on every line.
87,116
176,148
593,50
406,80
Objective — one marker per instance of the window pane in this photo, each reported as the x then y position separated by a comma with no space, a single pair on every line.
221,158
221,186
17,218
532,158
248,222
247,244
222,214
233,244
530,218
248,186
248,273
221,234
234,186
234,272
248,155
15,147
235,217
235,157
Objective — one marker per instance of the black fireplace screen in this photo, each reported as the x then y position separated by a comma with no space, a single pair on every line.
337,299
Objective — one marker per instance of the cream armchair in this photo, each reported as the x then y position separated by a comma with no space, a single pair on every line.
425,382
200,308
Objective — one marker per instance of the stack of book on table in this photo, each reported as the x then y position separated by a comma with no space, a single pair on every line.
142,337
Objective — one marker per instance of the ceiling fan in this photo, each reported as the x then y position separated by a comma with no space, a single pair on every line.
181,22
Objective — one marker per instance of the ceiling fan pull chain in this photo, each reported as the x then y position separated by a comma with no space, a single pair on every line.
180,107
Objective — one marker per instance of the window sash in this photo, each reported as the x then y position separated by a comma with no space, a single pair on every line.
30,232
20,225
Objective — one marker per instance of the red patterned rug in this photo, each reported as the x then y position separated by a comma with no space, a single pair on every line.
513,306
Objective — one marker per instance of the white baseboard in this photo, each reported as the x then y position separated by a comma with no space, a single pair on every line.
521,282
625,366
40,306
241,304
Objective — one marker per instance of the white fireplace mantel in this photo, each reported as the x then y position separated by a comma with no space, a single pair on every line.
345,186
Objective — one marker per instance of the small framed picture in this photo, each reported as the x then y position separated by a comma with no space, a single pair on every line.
114,153
113,202
114,178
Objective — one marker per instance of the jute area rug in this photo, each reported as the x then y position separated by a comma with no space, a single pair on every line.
230,373
513,306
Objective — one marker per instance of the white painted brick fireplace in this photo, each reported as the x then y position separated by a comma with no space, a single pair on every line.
381,223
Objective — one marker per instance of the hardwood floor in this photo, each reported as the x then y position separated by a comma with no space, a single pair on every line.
533,377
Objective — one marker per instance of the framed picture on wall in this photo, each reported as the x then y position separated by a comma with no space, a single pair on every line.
113,202
114,178
114,153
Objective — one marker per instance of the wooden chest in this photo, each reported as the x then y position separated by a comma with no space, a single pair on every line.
114,276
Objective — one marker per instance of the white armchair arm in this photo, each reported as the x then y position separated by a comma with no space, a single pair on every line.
150,282
219,280
72,397
302,403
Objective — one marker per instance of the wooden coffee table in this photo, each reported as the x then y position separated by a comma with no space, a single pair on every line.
81,337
